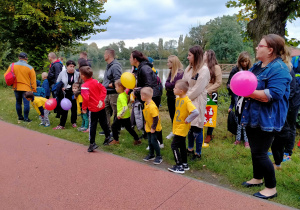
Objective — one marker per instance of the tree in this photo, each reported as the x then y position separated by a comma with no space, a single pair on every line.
40,26
267,16
197,34
160,48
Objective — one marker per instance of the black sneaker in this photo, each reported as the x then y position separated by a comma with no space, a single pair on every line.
149,157
189,153
101,133
107,141
185,166
158,160
92,147
27,120
177,169
196,157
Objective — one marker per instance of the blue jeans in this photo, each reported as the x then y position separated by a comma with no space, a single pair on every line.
19,96
195,133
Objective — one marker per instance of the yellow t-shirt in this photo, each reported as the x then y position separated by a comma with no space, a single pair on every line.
79,100
150,110
38,102
184,107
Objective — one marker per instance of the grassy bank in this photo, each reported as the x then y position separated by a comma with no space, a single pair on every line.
222,163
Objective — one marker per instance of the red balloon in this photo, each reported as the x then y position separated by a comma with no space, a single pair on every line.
51,104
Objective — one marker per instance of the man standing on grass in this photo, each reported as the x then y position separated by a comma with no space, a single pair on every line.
25,81
56,67
113,73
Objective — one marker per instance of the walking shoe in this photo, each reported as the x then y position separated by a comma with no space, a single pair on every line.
208,139
148,148
162,146
286,158
42,124
59,127
74,125
81,129
196,157
189,153
92,147
170,136
138,142
158,160
247,145
101,133
113,142
86,130
237,142
107,140
185,166
47,125
177,169
27,120
149,157
20,119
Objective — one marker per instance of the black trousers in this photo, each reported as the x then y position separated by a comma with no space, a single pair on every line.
171,106
64,114
157,100
118,123
94,118
260,142
178,146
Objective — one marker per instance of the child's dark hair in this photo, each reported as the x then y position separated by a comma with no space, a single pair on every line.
118,82
86,71
29,94
78,92
182,85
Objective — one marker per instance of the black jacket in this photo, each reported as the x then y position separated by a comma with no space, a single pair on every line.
147,78
294,99
54,71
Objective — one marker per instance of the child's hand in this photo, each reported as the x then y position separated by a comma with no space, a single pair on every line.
100,104
186,122
118,117
83,111
152,130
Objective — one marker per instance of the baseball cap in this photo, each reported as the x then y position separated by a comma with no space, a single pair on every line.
23,55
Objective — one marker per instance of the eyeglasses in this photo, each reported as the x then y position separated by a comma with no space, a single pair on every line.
260,45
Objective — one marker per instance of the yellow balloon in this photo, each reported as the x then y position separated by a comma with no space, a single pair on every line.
128,80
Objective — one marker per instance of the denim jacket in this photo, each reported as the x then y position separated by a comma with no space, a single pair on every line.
275,80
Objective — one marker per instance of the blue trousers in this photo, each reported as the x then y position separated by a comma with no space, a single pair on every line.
19,97
195,134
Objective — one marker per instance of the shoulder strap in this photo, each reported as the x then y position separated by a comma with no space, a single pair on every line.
12,67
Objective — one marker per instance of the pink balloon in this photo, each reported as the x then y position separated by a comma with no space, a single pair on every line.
243,83
50,104
66,104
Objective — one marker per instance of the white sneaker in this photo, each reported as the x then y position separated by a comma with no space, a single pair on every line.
170,136
147,148
161,146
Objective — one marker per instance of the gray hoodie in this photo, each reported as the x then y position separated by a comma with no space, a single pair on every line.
113,72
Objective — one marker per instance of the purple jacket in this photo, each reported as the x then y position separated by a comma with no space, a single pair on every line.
170,85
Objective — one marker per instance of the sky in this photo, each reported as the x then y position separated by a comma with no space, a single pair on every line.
137,21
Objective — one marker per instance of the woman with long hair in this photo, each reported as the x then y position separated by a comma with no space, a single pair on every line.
243,64
198,76
215,81
175,74
265,110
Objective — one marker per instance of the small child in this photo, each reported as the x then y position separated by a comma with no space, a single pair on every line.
152,125
185,113
39,105
45,84
93,94
77,95
123,116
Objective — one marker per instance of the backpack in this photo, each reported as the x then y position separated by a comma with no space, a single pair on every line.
160,86
10,77
40,91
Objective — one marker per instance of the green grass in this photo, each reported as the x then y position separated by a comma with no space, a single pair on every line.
222,163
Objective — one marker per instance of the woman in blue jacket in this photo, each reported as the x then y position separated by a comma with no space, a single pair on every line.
265,110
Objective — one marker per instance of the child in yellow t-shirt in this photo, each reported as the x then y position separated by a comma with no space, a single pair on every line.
38,104
84,116
152,125
185,113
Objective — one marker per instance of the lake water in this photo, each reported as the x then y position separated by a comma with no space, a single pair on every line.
160,66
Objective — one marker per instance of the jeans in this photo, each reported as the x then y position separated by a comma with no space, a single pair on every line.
19,97
260,142
195,133
291,120
177,144
153,144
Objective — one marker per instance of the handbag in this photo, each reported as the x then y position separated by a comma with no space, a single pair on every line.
231,123
10,77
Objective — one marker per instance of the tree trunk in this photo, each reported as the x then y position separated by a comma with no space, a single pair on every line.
271,19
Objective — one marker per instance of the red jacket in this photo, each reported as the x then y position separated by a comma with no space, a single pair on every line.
92,92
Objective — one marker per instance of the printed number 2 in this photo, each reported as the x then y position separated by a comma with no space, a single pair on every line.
178,115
